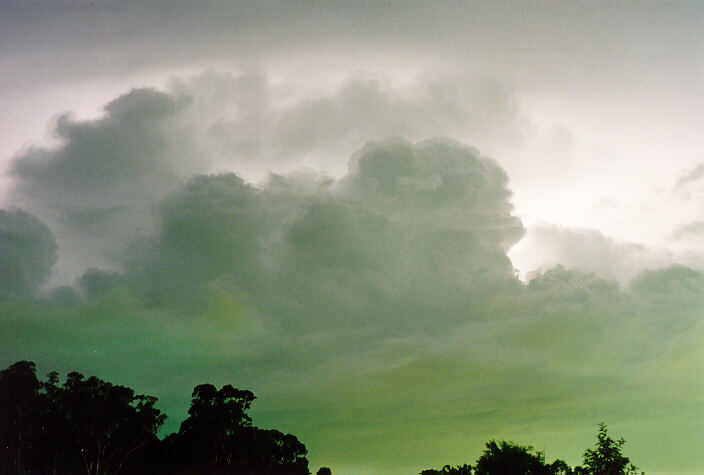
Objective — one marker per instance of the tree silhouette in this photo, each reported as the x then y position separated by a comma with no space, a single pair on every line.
215,418
107,422
606,458
448,470
83,426
506,458
95,427
19,404
560,467
218,437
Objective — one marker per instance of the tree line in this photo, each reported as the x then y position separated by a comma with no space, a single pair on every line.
91,426
507,458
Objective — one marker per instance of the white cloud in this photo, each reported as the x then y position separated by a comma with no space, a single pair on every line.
546,246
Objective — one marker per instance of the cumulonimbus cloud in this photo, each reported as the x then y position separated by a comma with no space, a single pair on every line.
405,234
101,186
364,307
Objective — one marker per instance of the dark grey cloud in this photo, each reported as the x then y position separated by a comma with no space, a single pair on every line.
411,231
674,278
99,187
103,157
27,253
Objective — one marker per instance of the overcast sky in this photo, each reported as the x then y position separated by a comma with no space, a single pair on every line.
367,189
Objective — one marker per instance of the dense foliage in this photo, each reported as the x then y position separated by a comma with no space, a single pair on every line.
83,426
606,458
95,427
507,458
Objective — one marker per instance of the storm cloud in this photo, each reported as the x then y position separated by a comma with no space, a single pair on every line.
27,253
411,234
377,308
100,186
407,228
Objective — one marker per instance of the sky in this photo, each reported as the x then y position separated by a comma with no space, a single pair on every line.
407,227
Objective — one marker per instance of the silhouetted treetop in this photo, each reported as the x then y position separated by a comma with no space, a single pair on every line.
606,457
83,426
506,458
218,435
448,470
